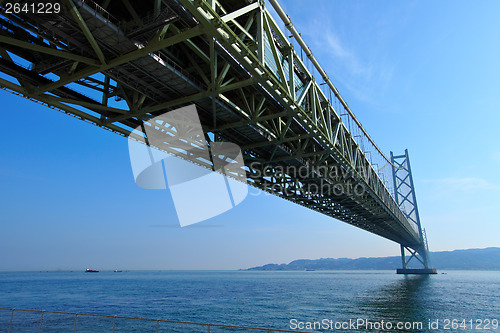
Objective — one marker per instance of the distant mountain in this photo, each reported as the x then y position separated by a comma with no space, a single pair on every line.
472,259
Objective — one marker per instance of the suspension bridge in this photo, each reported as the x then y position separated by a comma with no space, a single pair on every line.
119,64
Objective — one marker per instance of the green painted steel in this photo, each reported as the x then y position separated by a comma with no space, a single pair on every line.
246,76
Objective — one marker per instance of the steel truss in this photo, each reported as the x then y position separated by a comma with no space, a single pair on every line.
228,57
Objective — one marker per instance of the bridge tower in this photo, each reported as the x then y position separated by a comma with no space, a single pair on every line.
404,194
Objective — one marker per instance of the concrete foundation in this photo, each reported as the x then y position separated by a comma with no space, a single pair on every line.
416,271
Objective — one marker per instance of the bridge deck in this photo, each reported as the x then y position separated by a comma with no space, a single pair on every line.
119,64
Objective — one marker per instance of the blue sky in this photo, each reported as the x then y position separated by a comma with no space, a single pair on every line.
418,74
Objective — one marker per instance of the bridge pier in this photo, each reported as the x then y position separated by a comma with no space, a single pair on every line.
416,271
422,256
404,193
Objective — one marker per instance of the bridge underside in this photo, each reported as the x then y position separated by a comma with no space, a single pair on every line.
117,64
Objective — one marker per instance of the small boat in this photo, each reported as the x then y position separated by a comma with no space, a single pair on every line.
117,271
88,270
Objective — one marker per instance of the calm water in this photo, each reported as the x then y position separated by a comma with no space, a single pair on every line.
262,299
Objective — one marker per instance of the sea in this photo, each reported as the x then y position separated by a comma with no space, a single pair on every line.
308,301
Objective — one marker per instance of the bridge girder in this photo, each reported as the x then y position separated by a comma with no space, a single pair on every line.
230,59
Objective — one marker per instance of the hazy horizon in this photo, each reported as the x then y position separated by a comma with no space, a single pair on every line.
77,269
426,80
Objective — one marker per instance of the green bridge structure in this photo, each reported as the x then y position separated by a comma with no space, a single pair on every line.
119,64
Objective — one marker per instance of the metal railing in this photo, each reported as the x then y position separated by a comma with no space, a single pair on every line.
98,10
75,322
376,157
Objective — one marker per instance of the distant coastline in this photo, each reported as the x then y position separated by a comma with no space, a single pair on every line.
470,259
